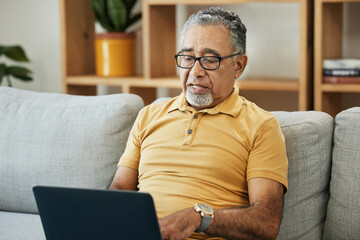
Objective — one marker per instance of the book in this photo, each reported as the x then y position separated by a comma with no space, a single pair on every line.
341,79
341,72
341,63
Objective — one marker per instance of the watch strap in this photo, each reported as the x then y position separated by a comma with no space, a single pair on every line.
205,222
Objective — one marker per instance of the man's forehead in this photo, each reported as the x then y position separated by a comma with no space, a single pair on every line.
202,51
206,39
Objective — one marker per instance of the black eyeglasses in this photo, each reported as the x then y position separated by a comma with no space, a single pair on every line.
206,62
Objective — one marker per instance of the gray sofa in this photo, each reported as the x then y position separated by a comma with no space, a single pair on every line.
76,141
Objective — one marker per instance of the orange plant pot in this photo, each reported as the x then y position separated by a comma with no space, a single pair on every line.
115,54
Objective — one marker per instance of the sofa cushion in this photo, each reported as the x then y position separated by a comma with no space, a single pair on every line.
59,140
343,214
308,137
15,226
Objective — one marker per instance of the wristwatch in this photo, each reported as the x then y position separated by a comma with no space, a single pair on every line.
206,213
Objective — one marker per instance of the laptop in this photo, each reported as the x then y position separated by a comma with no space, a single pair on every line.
76,213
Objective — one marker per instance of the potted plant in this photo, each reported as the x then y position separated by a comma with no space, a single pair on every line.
15,53
115,50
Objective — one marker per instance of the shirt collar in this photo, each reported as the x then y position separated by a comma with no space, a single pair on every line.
230,106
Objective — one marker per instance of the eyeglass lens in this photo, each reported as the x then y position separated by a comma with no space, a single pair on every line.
208,62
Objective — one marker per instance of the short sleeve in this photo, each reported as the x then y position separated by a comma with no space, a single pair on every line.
268,159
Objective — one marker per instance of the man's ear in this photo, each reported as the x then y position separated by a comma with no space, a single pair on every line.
239,65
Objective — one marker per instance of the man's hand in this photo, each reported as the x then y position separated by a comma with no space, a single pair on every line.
179,225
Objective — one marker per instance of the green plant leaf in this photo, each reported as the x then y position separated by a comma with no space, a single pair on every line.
2,49
101,15
14,52
114,15
2,71
135,18
129,5
19,72
118,14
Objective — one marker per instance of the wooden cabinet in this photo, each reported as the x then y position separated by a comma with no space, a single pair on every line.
159,47
329,45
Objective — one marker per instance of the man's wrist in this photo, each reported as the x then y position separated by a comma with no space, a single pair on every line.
206,213
196,218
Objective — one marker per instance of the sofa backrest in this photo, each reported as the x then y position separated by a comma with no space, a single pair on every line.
308,137
59,140
343,213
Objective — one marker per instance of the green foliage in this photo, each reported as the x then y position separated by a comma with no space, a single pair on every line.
115,15
15,53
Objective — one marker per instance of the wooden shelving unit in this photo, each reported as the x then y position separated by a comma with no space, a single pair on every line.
328,45
159,46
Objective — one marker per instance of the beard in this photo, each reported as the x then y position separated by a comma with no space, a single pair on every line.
198,100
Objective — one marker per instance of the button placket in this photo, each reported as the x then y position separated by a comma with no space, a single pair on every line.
191,128
193,123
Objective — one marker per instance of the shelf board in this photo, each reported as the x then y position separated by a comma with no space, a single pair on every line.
132,81
338,1
263,83
332,87
212,2
98,80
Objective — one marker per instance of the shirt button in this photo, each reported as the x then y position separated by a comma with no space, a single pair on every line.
196,116
190,131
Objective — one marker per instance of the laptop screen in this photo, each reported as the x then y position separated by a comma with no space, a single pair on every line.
74,213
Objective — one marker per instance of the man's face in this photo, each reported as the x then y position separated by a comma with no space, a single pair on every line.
206,88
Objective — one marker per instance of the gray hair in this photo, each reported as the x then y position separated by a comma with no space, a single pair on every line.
221,17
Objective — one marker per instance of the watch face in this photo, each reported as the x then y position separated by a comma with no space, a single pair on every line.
205,208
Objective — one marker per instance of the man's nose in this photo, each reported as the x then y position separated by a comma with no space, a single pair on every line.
197,69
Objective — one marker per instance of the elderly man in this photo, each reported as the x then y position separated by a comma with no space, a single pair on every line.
214,163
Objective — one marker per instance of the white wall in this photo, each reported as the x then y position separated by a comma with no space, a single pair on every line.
34,24
351,28
351,45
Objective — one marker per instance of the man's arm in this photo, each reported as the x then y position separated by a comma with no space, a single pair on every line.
261,220
125,179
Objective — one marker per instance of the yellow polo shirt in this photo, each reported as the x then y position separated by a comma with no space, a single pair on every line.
185,157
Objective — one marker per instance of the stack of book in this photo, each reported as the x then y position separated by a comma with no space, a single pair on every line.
341,71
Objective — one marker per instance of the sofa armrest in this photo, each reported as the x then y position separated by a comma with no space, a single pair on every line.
343,213
308,137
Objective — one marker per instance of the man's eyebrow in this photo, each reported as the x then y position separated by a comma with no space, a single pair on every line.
186,50
206,50
211,51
